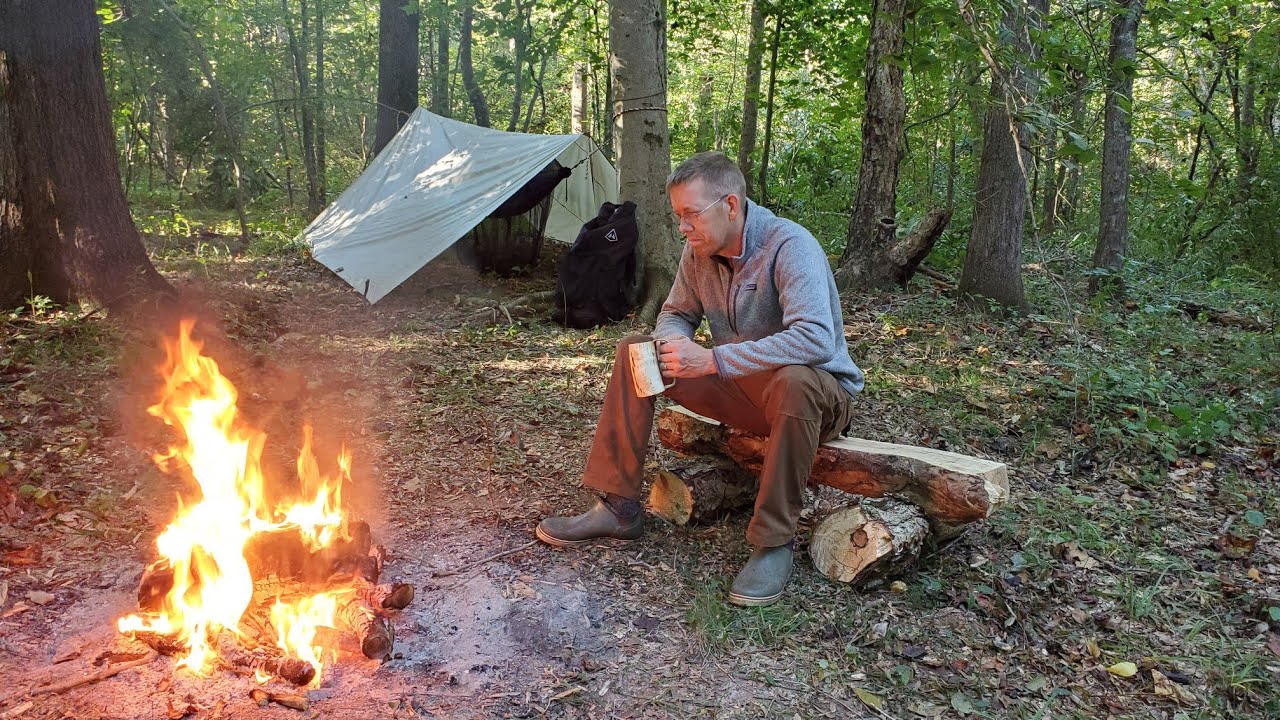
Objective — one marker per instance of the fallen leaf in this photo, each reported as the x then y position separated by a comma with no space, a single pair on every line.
567,693
1123,669
17,608
1072,553
868,698
1164,687
898,586
962,704
1273,644
40,597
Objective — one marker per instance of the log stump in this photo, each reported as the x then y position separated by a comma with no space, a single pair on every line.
698,490
865,543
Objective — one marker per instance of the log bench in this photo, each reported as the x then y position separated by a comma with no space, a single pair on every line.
900,495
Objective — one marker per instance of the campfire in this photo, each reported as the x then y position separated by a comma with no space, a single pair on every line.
260,580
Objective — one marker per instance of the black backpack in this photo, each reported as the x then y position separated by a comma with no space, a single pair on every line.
596,278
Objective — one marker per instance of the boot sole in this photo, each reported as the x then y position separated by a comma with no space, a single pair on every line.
561,543
752,601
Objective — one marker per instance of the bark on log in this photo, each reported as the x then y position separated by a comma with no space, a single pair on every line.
235,657
863,544
387,596
373,631
697,490
950,489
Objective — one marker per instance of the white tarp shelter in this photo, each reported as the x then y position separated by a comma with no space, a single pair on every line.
437,179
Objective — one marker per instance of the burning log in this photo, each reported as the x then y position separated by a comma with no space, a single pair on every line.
387,596
168,645
370,565
374,633
156,582
866,542
282,553
235,657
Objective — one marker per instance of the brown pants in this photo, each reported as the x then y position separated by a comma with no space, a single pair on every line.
797,407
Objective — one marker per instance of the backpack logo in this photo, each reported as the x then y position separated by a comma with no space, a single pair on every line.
611,236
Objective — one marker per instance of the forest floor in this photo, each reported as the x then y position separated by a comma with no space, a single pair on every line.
1143,445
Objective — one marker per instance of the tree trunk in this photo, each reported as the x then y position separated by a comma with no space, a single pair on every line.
578,101
883,146
1078,81
520,39
397,68
65,231
993,260
302,74
478,104
440,82
638,57
322,191
1113,215
751,95
230,135
768,115
703,137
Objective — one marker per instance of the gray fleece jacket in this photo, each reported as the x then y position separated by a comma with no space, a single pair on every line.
775,305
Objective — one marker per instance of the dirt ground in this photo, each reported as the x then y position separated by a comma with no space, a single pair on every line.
466,430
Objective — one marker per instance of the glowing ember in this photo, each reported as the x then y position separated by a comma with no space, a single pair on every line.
205,543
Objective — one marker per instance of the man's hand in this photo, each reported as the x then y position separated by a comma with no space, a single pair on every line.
683,358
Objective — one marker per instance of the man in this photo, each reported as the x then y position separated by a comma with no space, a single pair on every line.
780,367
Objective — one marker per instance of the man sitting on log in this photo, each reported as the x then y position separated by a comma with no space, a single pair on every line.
780,368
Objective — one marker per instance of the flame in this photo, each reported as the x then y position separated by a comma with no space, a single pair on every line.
296,626
205,542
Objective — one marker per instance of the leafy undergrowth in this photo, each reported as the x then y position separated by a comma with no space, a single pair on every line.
1134,573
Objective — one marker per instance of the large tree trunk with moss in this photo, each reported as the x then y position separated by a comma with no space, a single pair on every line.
638,63
993,261
1117,139
397,68
65,230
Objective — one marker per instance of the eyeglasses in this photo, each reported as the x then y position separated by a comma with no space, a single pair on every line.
688,218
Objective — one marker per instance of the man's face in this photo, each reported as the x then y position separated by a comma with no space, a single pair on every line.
706,219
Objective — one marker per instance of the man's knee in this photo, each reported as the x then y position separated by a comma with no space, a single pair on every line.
795,390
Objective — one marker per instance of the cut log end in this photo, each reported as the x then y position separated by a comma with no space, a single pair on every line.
698,490
864,544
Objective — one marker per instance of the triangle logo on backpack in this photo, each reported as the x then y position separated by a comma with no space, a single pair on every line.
611,236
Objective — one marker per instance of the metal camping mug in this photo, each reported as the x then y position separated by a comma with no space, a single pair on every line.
646,376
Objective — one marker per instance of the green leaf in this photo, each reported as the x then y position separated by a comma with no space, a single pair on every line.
1256,519
1275,613
962,704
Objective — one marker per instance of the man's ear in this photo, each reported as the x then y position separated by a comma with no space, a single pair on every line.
734,201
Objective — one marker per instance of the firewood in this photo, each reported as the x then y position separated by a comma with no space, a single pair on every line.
156,582
373,631
369,566
164,644
281,553
235,657
951,489
696,490
262,697
387,596
864,543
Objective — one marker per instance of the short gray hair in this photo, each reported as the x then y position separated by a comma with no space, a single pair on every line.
720,174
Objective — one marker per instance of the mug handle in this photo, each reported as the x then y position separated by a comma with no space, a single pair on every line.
656,344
